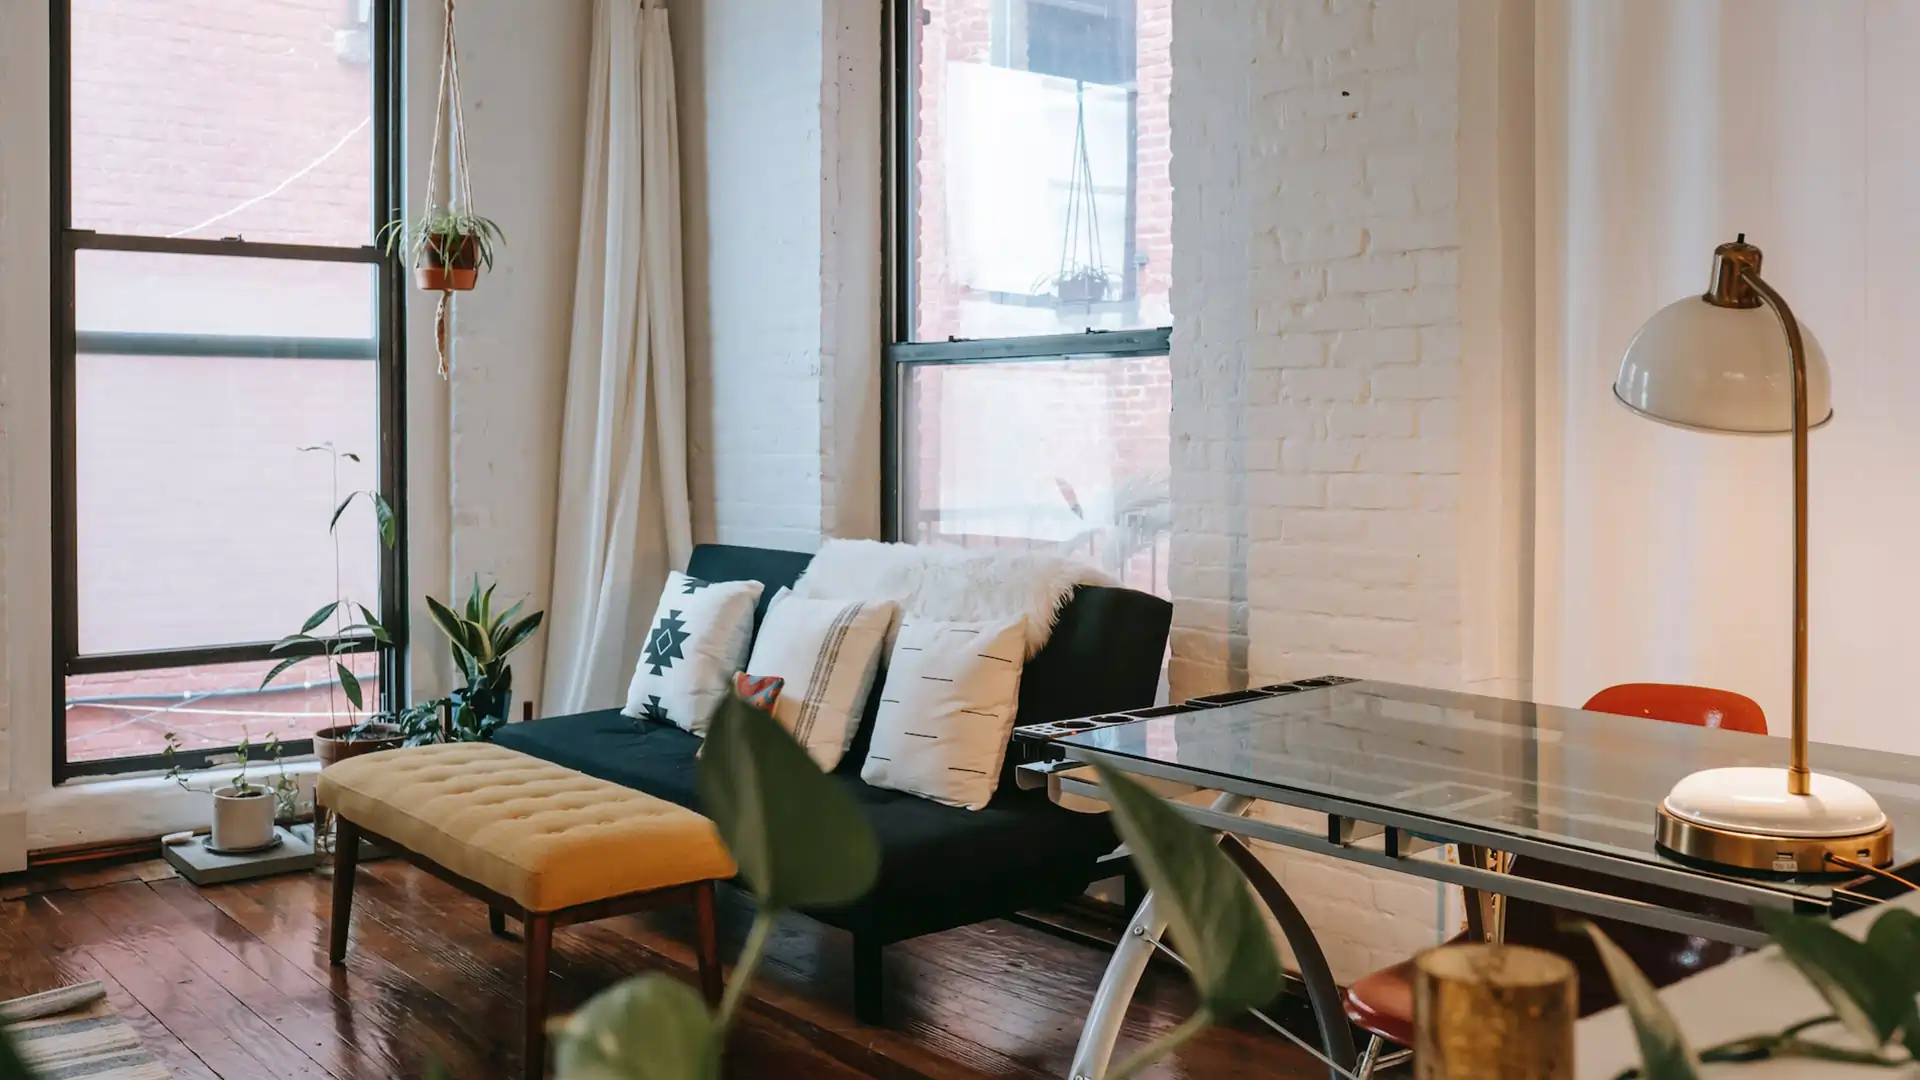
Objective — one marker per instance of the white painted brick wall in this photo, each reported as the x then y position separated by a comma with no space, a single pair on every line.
780,166
750,122
1316,364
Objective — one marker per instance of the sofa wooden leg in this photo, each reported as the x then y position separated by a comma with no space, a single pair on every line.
496,921
346,857
707,942
867,982
536,929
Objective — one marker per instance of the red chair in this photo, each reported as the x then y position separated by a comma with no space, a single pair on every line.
1381,1003
1700,706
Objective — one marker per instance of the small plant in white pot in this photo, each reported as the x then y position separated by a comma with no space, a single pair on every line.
244,811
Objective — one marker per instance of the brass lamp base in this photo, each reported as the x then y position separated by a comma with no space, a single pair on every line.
1778,854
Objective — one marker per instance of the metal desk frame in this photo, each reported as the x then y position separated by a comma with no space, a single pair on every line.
1381,837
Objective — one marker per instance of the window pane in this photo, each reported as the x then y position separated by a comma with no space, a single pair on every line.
1067,455
1040,143
144,292
128,713
220,118
200,520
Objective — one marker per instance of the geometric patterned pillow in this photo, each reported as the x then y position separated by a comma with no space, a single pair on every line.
697,639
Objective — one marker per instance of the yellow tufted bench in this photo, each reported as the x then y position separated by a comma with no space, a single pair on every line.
544,843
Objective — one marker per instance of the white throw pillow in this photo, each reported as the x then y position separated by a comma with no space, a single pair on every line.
947,709
827,651
698,638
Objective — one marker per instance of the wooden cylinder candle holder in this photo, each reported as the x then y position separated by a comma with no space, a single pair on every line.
1493,1012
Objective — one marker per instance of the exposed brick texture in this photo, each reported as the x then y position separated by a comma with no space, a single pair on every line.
1315,370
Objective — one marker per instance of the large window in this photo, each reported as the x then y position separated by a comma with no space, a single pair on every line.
1031,235
220,169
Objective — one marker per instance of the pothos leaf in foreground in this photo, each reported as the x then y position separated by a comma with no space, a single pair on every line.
1223,938
1872,997
650,1028
1664,1053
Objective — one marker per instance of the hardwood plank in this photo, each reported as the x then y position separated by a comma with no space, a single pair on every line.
24,969
47,924
305,1015
232,982
289,916
191,1000
126,960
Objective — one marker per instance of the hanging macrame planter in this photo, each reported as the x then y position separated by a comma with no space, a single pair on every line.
449,244
1082,279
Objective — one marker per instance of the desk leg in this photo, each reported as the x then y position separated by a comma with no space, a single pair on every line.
1094,1053
1486,912
1329,1004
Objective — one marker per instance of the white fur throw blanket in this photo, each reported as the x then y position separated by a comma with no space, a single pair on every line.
950,583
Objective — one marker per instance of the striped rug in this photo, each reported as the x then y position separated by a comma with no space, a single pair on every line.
90,1043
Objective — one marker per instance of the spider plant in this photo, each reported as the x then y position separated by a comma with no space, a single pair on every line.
450,238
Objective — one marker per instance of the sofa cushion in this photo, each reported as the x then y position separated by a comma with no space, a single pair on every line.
644,755
725,562
940,866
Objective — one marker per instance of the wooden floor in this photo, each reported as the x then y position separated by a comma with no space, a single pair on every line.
232,982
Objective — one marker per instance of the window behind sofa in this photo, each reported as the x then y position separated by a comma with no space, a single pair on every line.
1031,254
219,170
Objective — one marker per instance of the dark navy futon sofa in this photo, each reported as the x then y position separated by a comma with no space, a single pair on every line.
941,866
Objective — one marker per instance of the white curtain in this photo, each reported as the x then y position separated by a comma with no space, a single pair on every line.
624,518
1661,129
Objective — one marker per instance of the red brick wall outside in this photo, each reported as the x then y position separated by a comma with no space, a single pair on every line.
215,118
186,109
1129,448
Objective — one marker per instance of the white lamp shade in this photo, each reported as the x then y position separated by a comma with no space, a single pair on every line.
1698,365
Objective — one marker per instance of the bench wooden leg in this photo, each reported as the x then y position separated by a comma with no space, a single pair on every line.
867,982
536,930
497,921
707,942
346,857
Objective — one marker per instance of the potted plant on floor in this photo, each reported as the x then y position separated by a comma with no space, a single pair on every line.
339,627
244,811
480,641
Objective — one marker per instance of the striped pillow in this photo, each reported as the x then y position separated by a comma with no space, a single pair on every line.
828,652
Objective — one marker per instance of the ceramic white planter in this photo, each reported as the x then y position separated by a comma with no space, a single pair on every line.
242,822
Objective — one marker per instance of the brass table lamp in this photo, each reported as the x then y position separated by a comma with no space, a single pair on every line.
1717,363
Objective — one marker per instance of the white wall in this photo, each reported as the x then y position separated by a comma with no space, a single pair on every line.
780,164
483,448
1318,377
1664,554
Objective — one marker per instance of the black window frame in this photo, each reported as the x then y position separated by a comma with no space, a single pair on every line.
900,353
388,352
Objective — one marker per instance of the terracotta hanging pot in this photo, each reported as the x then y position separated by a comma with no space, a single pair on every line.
448,269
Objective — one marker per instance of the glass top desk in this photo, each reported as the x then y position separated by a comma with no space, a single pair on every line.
1396,769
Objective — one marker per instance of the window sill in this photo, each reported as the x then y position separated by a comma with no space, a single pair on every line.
105,809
